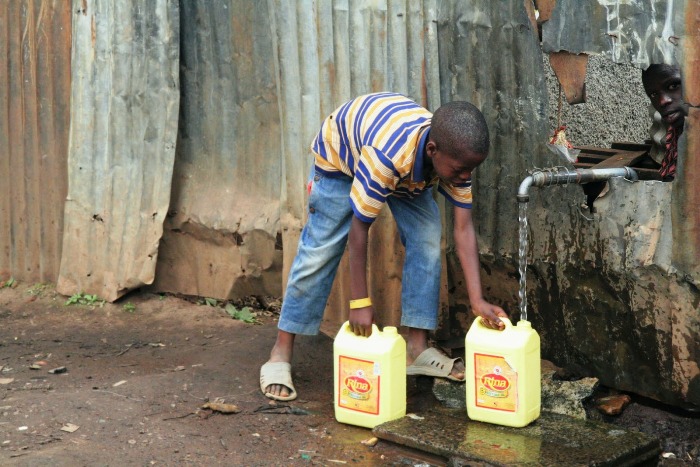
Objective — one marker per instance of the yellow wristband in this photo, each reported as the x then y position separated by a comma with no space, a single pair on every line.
360,303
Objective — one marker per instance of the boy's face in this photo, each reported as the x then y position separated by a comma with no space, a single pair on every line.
450,169
666,95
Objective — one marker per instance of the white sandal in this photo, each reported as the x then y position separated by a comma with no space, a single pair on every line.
277,373
432,362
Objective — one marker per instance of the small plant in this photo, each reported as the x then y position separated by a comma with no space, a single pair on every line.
9,283
85,299
244,314
129,307
210,302
38,289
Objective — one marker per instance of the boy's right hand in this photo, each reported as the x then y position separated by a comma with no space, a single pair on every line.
361,320
490,314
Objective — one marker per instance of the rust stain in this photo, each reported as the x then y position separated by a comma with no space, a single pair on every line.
570,70
691,167
690,226
36,97
530,8
545,8
691,53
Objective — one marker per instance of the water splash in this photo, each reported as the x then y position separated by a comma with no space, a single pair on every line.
522,259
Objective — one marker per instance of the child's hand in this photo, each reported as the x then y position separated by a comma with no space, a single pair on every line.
489,314
361,321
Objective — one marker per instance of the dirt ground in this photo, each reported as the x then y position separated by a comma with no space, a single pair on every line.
138,372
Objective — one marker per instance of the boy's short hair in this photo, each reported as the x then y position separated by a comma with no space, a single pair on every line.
658,69
457,126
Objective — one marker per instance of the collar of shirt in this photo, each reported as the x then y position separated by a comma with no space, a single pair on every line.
420,156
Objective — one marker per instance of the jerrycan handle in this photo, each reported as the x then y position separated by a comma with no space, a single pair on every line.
506,321
346,329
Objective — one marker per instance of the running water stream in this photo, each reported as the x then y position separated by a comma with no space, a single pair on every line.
522,260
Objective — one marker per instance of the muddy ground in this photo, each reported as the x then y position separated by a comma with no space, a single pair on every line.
138,372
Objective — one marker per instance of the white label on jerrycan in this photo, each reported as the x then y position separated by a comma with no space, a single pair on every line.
360,384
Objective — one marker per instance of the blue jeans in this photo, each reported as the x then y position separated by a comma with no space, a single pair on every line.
323,242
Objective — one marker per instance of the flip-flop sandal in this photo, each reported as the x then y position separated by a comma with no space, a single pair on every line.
432,362
277,373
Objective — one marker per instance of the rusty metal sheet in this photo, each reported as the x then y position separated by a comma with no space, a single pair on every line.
637,32
686,215
221,238
570,70
35,79
124,109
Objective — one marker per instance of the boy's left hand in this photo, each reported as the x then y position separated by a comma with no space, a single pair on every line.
361,320
489,314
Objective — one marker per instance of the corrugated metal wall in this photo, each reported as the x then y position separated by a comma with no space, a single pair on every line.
124,110
35,78
221,237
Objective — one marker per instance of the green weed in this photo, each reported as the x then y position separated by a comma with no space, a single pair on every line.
129,307
244,314
85,299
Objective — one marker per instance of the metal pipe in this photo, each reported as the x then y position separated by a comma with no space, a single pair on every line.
550,177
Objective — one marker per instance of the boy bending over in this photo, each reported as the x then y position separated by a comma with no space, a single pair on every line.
376,149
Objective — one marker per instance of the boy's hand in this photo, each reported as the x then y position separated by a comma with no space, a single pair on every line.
489,314
361,321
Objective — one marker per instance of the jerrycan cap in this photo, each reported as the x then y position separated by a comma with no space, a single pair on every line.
390,330
523,323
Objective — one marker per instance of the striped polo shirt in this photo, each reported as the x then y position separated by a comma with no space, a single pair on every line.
379,140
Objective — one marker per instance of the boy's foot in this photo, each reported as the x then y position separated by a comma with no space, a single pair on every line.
276,374
276,381
432,362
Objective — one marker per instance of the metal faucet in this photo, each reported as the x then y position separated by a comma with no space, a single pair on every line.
557,176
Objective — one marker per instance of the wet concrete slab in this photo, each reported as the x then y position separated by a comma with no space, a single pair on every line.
551,440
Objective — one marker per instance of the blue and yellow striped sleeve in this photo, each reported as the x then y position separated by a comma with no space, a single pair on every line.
459,195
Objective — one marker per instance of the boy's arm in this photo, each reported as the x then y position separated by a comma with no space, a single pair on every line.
468,253
360,318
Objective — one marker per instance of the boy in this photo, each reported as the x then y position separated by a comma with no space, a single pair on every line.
376,149
662,83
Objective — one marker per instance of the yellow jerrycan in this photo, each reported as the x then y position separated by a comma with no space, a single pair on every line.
370,376
503,373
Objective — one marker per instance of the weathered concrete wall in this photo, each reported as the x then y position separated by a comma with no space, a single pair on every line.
616,108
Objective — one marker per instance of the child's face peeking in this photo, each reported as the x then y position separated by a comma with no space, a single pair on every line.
666,95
